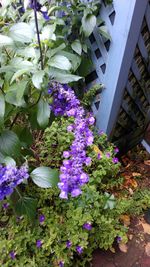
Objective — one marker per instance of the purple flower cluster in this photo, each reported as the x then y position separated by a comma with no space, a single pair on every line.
36,5
72,176
10,177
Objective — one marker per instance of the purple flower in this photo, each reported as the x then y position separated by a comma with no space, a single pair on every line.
66,154
119,239
79,249
91,120
39,8
68,244
5,205
100,132
10,177
12,255
108,155
38,243
99,156
41,218
88,161
87,226
76,192
116,150
115,160
61,263
70,128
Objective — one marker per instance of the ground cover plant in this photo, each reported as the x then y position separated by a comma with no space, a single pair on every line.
60,183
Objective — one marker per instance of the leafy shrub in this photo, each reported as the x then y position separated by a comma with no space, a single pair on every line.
61,234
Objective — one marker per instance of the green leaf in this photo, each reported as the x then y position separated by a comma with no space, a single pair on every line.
60,62
15,94
43,113
77,47
74,59
21,32
9,144
9,161
88,24
110,203
52,52
48,32
18,74
26,206
63,77
25,137
5,40
2,108
103,30
37,78
45,177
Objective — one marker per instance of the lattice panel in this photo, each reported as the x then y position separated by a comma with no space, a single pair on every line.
123,66
100,50
136,99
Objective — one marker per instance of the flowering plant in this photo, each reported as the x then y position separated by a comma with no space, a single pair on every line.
35,54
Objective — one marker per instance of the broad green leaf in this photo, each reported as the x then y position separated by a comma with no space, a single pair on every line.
63,77
45,177
26,206
74,59
18,73
28,52
88,24
2,158
103,30
52,52
26,137
43,113
2,108
21,32
15,94
9,161
60,62
9,144
48,32
5,40
77,47
37,78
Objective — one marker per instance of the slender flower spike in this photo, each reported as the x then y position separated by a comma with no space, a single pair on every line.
12,255
115,160
79,249
38,243
72,175
87,226
68,244
41,218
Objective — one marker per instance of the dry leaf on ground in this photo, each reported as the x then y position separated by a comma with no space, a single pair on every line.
146,228
147,249
136,174
147,162
123,247
125,219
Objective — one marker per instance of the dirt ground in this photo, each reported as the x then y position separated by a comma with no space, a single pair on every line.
137,250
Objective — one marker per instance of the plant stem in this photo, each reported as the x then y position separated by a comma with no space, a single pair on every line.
18,192
14,120
38,35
